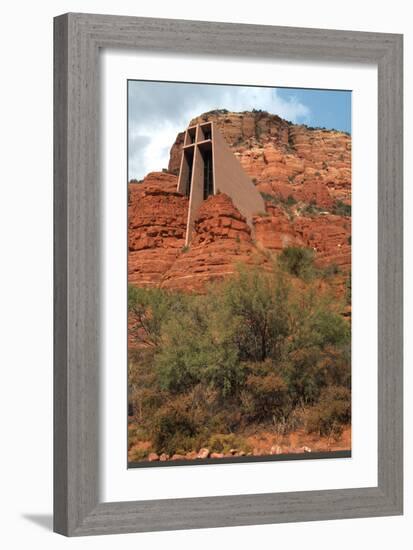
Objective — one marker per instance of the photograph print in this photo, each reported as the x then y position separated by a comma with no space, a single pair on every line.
239,273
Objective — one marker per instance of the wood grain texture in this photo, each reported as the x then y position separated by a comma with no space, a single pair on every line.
60,486
77,506
390,273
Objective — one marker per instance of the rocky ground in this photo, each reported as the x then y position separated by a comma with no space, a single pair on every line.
261,443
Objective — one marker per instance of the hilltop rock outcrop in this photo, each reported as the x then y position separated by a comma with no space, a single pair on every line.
284,159
301,172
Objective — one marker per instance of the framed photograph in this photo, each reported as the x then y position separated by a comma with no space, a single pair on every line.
239,274
228,274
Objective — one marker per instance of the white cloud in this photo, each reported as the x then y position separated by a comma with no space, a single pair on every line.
159,110
152,154
246,99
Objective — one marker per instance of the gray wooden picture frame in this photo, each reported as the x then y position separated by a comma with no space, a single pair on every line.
78,39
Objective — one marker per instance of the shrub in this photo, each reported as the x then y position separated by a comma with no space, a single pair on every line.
175,427
316,352
279,199
260,111
267,397
150,308
297,261
255,302
223,443
329,329
311,209
257,348
144,392
137,454
217,112
331,413
341,209
304,375
330,271
204,351
267,197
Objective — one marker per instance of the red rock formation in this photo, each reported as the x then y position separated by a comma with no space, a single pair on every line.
313,166
327,235
156,227
221,239
176,154
276,231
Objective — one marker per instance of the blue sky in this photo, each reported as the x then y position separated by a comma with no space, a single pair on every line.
328,108
157,111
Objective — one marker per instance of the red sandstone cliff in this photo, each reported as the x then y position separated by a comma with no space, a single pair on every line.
302,173
156,228
284,159
221,239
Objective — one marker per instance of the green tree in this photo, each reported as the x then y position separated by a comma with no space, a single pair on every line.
256,301
331,413
149,309
317,349
198,347
266,394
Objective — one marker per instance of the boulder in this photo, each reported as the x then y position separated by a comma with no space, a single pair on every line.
203,453
153,457
276,450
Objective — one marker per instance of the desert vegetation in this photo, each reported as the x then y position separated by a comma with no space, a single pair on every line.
266,349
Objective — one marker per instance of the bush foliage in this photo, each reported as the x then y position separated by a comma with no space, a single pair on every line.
297,261
252,350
